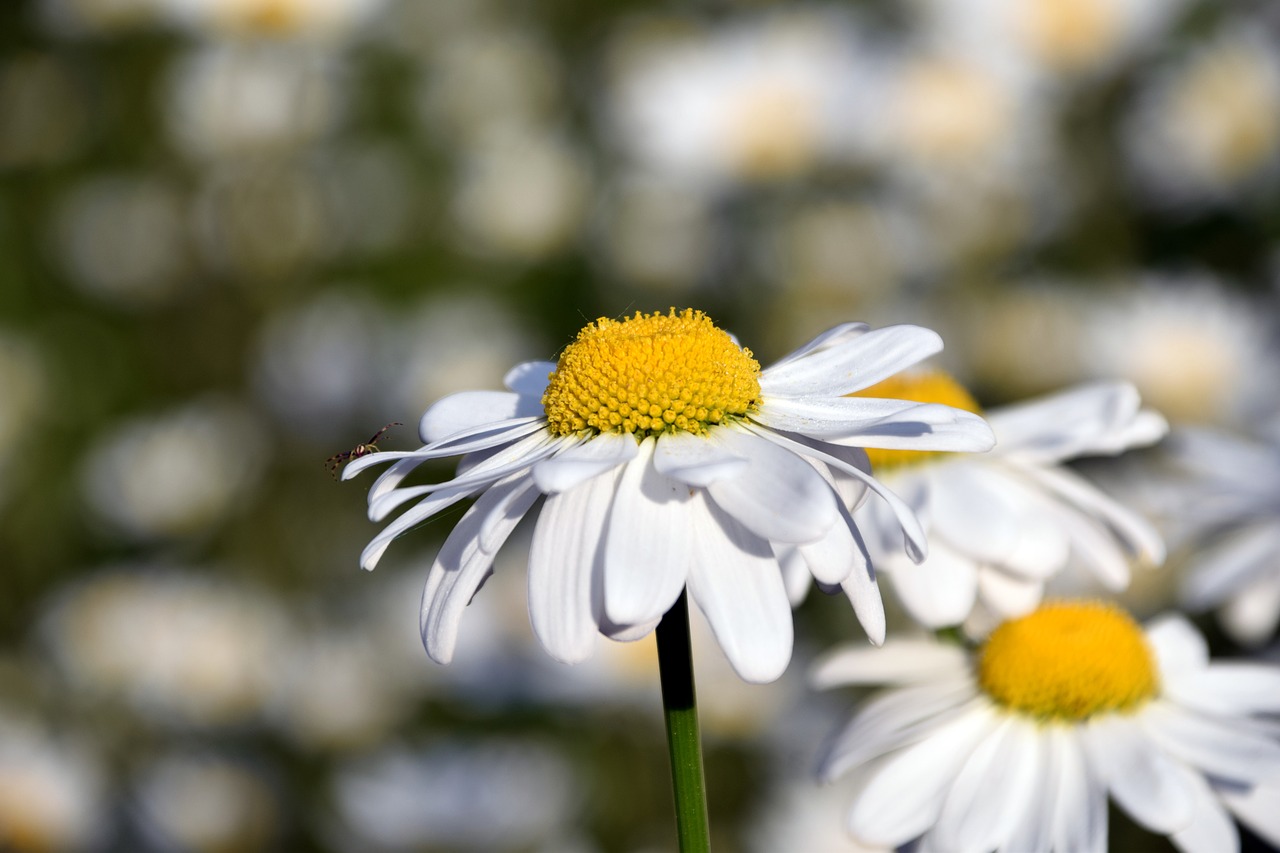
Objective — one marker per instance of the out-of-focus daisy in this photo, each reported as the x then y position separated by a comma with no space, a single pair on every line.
1209,126
498,795
175,474
273,18
190,801
1018,746
1232,505
762,100
173,646
669,458
1053,38
1003,522
231,100
52,792
1196,352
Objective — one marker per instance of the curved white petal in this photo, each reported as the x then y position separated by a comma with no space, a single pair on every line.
895,719
467,410
1178,646
993,789
647,542
530,378
1010,596
1096,418
939,591
896,662
905,795
1250,615
461,566
863,592
1211,830
915,542
1148,784
875,422
479,438
583,461
1226,751
778,496
1230,689
695,460
1231,565
1258,809
734,579
565,565
835,336
1079,798
851,364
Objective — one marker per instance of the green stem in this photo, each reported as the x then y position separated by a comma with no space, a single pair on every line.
680,704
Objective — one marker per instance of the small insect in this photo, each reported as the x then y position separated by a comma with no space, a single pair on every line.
334,462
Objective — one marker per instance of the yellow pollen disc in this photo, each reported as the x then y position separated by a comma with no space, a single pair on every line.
921,386
1069,661
649,374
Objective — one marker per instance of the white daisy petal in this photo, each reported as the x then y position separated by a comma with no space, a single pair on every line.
1251,614
1008,595
565,564
530,378
1067,424
1223,750
795,573
852,364
1079,798
461,565
778,497
1259,809
835,336
905,796
893,720
875,422
468,410
940,590
1234,563
646,542
863,592
483,437
1147,783
1226,688
1211,830
736,584
1177,645
915,541
695,461
993,789
896,662
838,554
583,461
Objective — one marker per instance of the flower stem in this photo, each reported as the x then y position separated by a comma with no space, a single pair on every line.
680,704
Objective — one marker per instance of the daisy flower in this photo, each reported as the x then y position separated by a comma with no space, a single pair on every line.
669,458
1002,523
1018,745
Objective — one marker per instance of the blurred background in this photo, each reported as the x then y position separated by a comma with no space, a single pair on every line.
239,236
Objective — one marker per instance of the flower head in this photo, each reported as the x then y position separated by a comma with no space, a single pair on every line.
668,459
1017,746
1002,523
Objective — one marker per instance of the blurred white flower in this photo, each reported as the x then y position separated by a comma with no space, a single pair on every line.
317,364
452,342
1052,38
175,646
205,804
52,792
1002,523
311,19
226,100
1208,126
501,794
521,193
804,816
1228,507
1196,352
122,239
763,99
175,474
1018,746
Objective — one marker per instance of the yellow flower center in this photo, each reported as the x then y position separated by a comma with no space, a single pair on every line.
651,373
922,386
1069,661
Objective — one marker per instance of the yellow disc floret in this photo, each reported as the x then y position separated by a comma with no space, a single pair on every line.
1069,661
649,374
921,386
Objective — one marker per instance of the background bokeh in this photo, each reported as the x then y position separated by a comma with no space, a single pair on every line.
238,236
